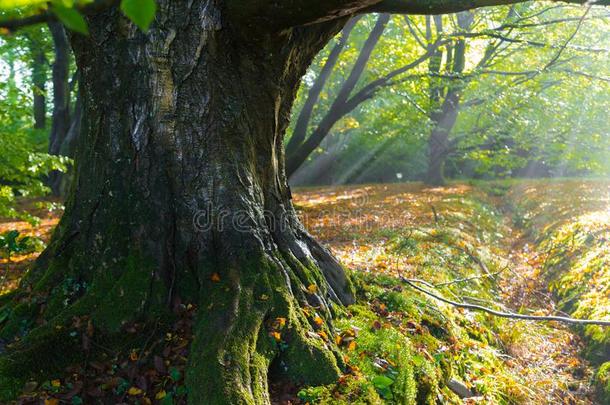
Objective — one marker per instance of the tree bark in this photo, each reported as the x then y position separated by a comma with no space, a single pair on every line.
180,193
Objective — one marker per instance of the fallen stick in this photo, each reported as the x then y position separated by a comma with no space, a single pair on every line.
507,314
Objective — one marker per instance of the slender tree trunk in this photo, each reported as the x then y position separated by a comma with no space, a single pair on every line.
298,154
300,127
179,183
39,81
61,99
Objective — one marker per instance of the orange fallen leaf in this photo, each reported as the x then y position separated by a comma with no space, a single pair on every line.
352,345
312,288
51,401
215,277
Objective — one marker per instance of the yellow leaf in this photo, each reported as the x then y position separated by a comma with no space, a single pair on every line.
161,394
318,321
56,383
323,335
276,336
312,288
352,345
133,391
281,322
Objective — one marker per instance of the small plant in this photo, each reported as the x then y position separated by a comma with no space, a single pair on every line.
11,242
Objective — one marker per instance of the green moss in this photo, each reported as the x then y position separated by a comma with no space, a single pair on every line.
135,292
603,382
46,350
249,319
18,320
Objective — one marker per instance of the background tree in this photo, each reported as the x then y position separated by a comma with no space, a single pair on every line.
502,49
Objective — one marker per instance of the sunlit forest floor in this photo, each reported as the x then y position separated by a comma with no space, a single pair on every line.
532,247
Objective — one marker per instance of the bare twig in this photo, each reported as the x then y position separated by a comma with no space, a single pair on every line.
462,280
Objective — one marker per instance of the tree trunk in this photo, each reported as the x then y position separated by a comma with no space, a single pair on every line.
437,154
302,122
444,116
61,99
39,81
180,193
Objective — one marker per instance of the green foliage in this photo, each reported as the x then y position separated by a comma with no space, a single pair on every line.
141,12
603,379
71,18
12,242
24,162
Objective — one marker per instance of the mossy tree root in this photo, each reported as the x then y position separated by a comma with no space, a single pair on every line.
249,320
267,308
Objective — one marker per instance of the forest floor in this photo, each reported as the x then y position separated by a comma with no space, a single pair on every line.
516,247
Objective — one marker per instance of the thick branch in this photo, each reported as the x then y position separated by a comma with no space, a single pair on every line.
427,7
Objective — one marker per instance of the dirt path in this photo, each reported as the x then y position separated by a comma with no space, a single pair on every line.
545,354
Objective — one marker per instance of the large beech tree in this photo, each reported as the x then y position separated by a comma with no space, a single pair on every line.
180,193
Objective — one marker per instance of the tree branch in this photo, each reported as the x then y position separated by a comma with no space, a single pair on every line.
506,314
426,7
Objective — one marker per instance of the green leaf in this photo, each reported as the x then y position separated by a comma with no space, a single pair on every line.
71,18
381,382
167,400
141,12
175,374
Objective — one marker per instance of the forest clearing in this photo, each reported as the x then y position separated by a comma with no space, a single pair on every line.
499,244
